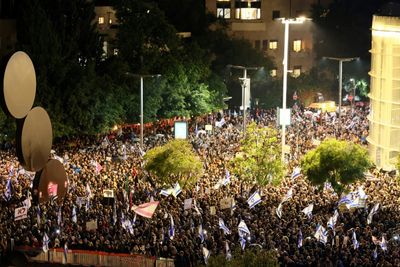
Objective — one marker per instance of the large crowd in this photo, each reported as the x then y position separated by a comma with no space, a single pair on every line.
121,170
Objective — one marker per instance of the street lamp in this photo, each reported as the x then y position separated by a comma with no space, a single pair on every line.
287,22
341,60
141,100
243,84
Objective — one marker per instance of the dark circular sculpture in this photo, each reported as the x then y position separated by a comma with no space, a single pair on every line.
19,85
34,139
51,182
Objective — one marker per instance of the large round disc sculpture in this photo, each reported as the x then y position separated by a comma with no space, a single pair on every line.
34,139
19,85
52,182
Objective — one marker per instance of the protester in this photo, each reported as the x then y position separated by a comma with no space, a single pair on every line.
115,163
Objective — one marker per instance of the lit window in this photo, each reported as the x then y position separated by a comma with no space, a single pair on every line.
273,44
110,21
297,45
101,20
224,13
296,71
115,51
273,73
248,10
105,49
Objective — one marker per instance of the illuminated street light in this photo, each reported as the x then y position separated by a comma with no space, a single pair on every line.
287,22
141,100
243,83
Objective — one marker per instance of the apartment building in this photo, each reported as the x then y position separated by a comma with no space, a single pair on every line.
107,26
258,21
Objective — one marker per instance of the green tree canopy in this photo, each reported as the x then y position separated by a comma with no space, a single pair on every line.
174,162
258,160
338,162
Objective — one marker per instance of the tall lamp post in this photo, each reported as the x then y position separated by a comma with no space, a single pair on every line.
341,60
287,22
243,84
141,76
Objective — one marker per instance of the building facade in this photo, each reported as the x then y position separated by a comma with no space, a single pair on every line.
384,118
257,21
107,26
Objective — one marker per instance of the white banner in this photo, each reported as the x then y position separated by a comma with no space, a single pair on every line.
20,213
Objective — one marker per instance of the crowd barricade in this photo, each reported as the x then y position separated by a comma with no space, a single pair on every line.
96,258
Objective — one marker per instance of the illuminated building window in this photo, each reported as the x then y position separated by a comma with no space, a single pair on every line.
101,20
224,9
273,44
248,9
296,71
273,72
115,51
110,21
276,14
297,45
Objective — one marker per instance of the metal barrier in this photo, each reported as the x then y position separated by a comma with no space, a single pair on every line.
96,258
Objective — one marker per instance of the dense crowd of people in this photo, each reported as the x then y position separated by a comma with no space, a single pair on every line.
116,163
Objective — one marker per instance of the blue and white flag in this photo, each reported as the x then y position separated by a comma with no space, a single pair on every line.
27,202
38,215
227,178
383,244
242,242
321,234
332,220
347,199
74,217
206,254
279,210
375,253
296,173
171,231
114,214
8,193
46,242
228,251
201,233
355,242
177,190
372,213
223,226
308,210
300,239
288,195
166,192
134,219
242,229
254,199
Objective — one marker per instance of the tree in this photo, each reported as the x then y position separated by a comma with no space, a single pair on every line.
338,162
174,162
258,160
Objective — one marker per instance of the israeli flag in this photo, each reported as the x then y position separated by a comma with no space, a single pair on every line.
134,219
242,242
254,199
74,218
296,173
372,213
171,231
375,253
321,234
201,233
223,226
227,178
114,214
177,190
46,242
383,244
347,199
8,193
308,210
300,239
166,192
206,254
242,229
59,219
332,220
279,211
355,242
288,195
